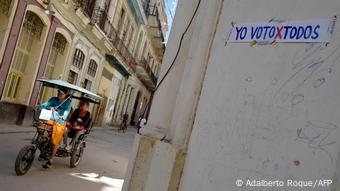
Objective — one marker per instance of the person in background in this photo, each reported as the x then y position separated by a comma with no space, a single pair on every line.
141,123
123,125
60,106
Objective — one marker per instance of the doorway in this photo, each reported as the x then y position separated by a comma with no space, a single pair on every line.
134,112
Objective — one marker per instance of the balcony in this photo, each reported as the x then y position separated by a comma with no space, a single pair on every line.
100,18
151,10
122,49
155,27
87,6
145,74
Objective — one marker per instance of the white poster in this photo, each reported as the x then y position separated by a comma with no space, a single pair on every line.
292,31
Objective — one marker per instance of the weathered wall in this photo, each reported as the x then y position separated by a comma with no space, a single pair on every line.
165,97
267,112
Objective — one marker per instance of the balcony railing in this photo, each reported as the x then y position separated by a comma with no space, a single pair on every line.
148,70
152,10
122,49
87,6
100,18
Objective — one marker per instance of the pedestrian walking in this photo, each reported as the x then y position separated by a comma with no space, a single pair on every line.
141,123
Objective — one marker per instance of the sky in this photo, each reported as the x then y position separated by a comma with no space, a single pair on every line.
170,6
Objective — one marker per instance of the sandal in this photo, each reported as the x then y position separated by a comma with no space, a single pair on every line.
48,164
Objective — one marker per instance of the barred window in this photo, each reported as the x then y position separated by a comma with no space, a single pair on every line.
92,68
30,32
33,24
59,43
78,59
87,84
72,77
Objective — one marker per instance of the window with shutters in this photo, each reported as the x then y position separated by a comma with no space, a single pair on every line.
87,84
72,77
78,59
58,49
30,32
92,70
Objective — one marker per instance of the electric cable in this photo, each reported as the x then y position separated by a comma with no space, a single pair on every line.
176,55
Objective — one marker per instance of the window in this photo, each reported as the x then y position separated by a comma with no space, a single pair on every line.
153,65
144,49
58,48
92,68
138,44
31,30
87,84
72,77
126,30
130,37
107,74
88,7
78,59
121,20
148,59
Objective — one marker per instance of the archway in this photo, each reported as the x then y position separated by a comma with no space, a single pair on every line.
55,64
24,66
6,7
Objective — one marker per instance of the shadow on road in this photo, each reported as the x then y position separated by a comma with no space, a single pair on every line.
102,168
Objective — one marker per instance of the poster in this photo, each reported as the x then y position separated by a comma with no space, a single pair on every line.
292,31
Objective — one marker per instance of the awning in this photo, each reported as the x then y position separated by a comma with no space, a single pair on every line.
116,65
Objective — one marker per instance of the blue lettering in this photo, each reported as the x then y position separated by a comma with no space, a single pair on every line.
286,31
253,32
259,33
243,33
238,30
271,32
293,32
265,32
300,32
308,32
315,32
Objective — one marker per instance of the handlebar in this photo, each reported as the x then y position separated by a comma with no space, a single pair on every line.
45,129
37,121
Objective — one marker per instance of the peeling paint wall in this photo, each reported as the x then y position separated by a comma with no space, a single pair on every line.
267,112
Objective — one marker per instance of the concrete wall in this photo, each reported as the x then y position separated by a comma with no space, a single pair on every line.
165,97
235,111
267,112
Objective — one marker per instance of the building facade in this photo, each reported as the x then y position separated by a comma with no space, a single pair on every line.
231,112
88,43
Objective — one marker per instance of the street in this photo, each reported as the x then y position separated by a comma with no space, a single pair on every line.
102,168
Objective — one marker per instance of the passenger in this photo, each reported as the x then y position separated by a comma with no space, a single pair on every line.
60,106
78,122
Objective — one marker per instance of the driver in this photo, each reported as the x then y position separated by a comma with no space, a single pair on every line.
60,106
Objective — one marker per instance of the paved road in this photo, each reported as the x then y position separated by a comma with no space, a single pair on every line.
102,168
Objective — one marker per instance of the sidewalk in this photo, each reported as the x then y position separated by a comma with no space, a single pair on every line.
8,129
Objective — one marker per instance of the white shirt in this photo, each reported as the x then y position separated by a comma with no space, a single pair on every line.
142,122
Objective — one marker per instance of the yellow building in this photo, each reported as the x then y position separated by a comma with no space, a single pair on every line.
92,44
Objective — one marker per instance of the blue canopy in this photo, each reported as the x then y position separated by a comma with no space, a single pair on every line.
70,87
